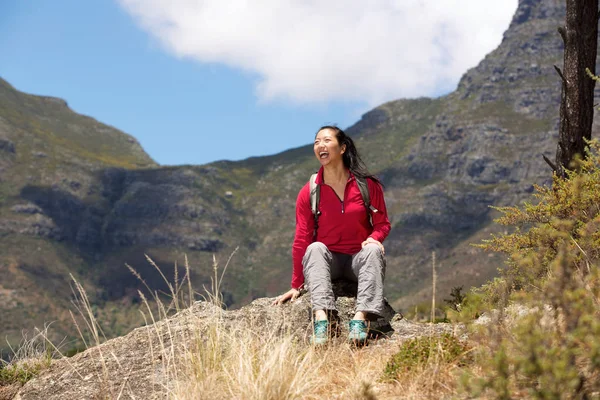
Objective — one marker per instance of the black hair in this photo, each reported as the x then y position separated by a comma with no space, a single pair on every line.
351,158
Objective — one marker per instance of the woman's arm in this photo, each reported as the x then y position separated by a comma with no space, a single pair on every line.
304,235
381,223
302,238
290,295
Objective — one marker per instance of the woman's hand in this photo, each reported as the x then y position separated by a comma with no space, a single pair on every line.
378,243
291,295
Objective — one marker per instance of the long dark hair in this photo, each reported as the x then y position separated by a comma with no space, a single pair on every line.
351,158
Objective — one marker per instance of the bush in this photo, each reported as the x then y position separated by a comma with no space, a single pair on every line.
21,371
553,259
566,218
419,352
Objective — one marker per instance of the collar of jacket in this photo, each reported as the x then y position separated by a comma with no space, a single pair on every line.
320,180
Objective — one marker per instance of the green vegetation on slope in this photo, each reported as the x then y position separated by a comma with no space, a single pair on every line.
49,126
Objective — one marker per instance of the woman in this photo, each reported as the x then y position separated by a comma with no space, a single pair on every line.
345,243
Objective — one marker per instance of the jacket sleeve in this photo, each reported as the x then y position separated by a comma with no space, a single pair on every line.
381,223
304,234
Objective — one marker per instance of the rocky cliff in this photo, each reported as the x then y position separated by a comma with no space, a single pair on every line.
79,197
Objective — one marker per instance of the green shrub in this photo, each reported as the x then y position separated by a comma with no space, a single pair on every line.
419,352
553,259
22,371
566,216
550,353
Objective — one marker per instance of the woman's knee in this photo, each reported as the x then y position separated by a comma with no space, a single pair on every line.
373,250
316,246
316,254
316,249
372,258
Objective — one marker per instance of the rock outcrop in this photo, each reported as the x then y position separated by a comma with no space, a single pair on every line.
135,366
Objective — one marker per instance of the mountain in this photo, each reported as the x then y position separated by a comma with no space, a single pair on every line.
78,197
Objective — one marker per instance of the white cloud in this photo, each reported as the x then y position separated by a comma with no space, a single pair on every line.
323,50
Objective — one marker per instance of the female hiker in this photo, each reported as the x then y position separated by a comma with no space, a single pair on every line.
342,238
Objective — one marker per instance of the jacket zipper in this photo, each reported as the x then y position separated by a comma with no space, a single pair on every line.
341,200
345,189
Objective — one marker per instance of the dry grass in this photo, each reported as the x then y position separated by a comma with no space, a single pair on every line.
32,356
224,363
245,365
221,363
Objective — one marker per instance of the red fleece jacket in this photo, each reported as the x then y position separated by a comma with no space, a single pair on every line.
343,224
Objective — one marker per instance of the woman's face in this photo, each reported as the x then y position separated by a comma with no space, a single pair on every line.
327,149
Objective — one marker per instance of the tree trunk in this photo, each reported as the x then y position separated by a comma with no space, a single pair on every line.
580,36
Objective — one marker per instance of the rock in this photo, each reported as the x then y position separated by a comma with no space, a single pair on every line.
55,101
514,313
7,146
345,294
369,122
133,366
26,209
8,392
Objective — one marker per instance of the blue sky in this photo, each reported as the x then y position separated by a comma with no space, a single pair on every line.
201,81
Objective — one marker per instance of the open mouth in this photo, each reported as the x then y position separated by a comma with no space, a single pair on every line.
323,154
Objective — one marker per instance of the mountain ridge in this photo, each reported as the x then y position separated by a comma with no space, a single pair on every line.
443,162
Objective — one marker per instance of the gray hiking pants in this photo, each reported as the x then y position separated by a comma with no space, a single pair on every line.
367,267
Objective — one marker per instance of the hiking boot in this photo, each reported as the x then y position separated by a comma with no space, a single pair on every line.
320,332
357,332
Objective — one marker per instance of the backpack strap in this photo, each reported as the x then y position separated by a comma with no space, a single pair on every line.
363,186
315,195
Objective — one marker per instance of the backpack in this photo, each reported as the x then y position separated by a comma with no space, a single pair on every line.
315,195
